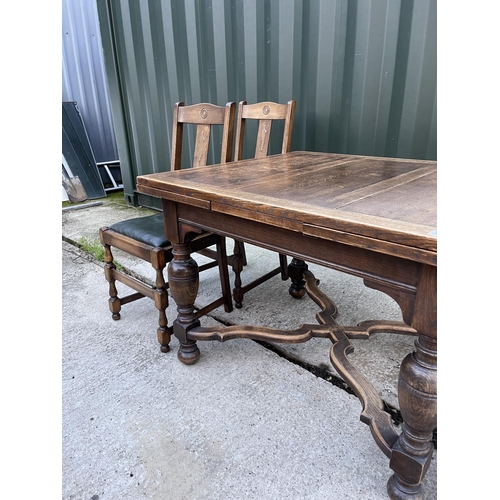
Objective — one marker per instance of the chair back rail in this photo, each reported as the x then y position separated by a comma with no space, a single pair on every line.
203,115
265,112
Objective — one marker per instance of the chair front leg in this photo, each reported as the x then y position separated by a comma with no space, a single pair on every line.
238,260
284,266
164,332
114,301
224,274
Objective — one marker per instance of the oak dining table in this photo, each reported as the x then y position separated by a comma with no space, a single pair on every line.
371,217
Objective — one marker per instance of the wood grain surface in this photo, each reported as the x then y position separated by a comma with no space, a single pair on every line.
385,200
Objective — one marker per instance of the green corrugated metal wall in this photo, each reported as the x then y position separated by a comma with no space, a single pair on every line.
363,72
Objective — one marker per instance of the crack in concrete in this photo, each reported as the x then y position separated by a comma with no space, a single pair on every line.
325,374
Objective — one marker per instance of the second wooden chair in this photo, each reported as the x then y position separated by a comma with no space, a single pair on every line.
266,113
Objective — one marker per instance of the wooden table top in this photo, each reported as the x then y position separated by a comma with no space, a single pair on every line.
370,201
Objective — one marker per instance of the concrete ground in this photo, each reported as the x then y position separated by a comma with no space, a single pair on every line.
245,421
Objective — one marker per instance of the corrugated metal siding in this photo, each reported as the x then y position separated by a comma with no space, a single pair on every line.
84,75
363,72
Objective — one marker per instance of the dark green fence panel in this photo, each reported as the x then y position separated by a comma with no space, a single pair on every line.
363,72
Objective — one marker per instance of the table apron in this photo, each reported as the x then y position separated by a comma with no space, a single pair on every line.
376,267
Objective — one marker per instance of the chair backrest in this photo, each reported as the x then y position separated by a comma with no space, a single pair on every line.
265,112
203,115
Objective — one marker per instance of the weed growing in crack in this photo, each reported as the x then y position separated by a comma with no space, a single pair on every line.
93,247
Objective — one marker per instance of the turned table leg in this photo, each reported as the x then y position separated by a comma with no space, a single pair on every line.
183,280
296,269
417,389
417,392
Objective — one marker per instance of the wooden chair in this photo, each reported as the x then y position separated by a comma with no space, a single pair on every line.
144,237
266,113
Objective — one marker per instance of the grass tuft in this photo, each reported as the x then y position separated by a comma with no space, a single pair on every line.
93,247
